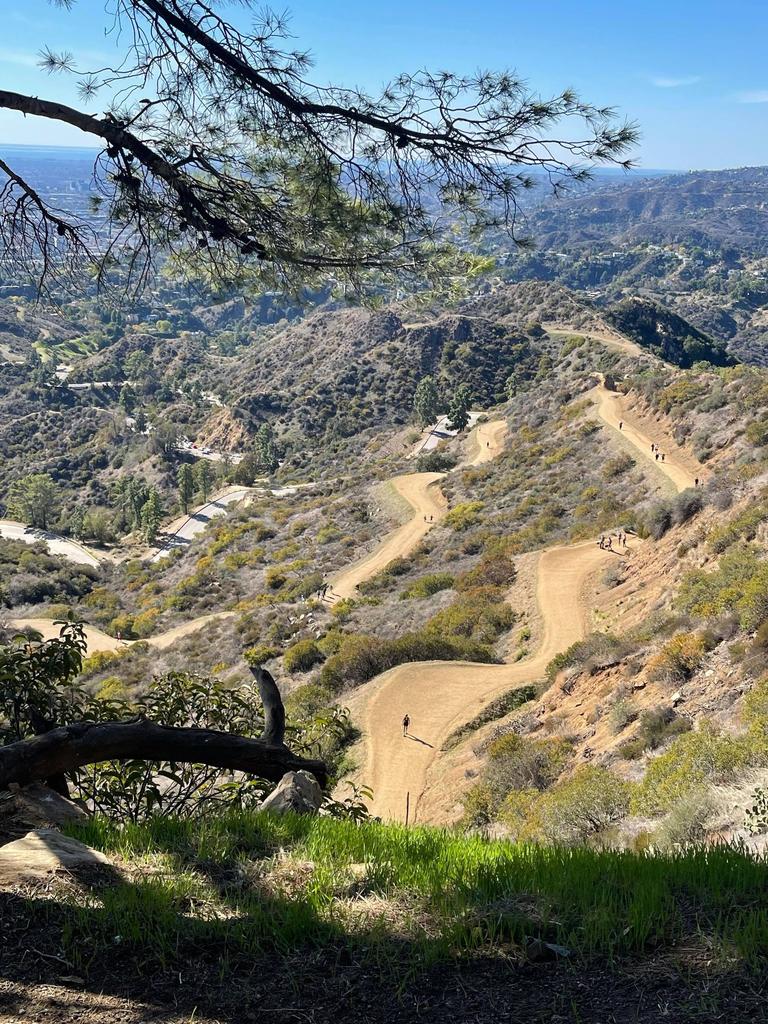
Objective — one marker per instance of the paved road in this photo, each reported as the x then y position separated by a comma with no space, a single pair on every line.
182,531
57,545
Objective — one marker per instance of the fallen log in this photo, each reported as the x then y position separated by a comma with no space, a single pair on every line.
71,746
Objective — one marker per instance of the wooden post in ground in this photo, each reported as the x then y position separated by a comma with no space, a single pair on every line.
407,807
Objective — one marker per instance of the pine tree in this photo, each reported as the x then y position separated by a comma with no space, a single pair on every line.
33,500
151,515
265,450
204,478
426,401
458,410
186,483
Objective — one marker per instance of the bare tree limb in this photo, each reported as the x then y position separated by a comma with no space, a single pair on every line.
81,743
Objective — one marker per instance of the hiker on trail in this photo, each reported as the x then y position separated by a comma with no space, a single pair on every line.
696,482
653,447
119,636
625,540
406,723
487,444
657,456
609,544
621,424
601,542
662,456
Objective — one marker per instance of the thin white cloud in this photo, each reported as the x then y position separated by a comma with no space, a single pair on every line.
668,82
28,60
752,96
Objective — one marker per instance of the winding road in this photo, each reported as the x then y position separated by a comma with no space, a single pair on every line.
69,549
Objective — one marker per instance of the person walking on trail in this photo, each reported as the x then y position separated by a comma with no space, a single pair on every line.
406,723
621,424
662,456
696,482
653,447
601,542
609,544
657,456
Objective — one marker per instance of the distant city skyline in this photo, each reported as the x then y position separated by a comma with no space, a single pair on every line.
692,74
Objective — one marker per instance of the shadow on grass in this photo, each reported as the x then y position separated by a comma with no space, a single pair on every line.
220,944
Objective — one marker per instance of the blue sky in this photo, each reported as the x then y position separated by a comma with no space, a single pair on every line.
693,73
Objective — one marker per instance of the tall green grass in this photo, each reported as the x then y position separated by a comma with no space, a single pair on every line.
441,892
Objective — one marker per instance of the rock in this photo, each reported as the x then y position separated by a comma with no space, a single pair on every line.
42,853
296,791
26,807
539,951
676,698
43,806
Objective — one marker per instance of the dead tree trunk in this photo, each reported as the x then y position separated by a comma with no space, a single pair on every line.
272,702
71,746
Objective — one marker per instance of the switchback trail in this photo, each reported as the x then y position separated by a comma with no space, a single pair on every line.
97,640
423,494
679,466
440,696
426,499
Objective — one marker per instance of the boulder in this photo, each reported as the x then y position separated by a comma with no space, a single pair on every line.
296,791
36,806
43,853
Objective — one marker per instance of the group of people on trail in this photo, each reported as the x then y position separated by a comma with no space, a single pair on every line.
323,591
428,519
606,541
657,452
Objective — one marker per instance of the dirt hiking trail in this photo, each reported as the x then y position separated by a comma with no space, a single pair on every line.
679,466
98,641
439,696
485,443
421,492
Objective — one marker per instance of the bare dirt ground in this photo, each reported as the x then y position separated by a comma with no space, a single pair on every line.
485,442
439,696
421,492
100,641
679,465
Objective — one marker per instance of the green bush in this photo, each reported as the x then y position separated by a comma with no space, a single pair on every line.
480,615
491,571
302,656
617,466
515,762
679,657
426,586
656,726
260,653
693,759
595,651
360,658
687,820
464,515
583,805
